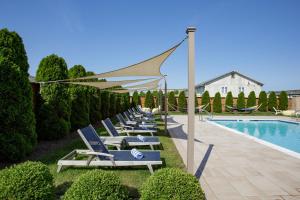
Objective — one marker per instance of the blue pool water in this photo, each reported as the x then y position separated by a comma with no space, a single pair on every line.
281,133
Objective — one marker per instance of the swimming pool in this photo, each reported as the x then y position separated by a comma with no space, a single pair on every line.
282,133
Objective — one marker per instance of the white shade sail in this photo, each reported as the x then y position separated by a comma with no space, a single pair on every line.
151,84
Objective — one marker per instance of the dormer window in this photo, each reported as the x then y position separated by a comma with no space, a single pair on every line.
241,89
224,90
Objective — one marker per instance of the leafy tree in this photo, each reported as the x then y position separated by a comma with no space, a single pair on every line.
142,94
176,92
263,101
241,100
229,100
77,71
206,100
283,101
135,98
251,101
182,103
217,103
149,101
272,101
54,115
172,104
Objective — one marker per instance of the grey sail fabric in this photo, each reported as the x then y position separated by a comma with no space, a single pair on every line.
151,84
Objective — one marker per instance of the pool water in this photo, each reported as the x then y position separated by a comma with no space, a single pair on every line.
281,133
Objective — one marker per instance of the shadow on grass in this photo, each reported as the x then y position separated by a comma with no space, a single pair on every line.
203,162
62,188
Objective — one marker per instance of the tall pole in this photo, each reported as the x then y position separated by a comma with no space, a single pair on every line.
190,31
166,104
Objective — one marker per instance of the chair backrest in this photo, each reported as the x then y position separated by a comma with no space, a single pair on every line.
128,115
110,128
121,120
92,140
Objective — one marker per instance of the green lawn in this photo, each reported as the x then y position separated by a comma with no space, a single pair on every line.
131,177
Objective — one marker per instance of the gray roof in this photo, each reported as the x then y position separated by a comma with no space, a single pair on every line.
290,92
227,74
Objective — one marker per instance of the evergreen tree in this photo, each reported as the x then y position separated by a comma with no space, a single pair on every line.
217,103
263,101
149,101
112,104
229,100
196,103
172,104
272,101
283,101
206,100
251,101
135,98
241,100
182,103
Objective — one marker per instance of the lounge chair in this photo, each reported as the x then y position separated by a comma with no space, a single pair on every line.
125,123
277,112
98,155
250,109
130,140
230,108
202,108
131,117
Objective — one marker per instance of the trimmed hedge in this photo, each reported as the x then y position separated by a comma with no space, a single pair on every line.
172,104
149,100
105,104
135,99
53,120
217,103
29,180
171,183
95,105
263,101
283,101
126,101
161,96
17,122
206,100
112,104
119,103
272,101
251,101
229,100
182,103
97,184
241,101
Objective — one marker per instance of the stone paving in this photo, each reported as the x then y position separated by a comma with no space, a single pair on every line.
231,166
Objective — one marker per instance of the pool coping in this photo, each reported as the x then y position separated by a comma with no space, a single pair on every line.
269,144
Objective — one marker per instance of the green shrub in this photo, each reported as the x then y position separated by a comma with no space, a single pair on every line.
118,103
135,98
206,100
97,184
149,101
155,98
112,104
283,101
126,101
229,100
53,120
241,100
95,105
171,183
272,101
172,104
251,101
77,71
142,94
12,48
17,123
161,96
182,103
196,101
29,180
263,101
105,104
217,103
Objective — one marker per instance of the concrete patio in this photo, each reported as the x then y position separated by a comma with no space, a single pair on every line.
231,166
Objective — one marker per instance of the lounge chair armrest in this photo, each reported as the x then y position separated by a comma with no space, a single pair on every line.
98,154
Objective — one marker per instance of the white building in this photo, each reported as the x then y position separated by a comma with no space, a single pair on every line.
232,81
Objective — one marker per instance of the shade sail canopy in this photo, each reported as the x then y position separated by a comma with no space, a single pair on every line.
151,84
107,84
149,67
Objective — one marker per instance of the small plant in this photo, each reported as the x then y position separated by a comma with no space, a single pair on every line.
251,101
182,104
206,100
172,101
28,181
217,103
263,101
97,184
272,101
171,183
283,101
241,100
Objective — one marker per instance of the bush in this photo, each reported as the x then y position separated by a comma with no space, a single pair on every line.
135,98
142,94
206,100
97,184
53,120
77,71
95,105
272,101
29,180
171,183
182,103
155,98
118,103
251,101
17,122
161,96
105,104
263,101
112,104
172,104
217,103
196,102
229,100
241,100
149,101
283,101
126,101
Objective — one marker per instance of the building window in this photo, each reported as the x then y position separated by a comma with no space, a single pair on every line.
241,89
224,90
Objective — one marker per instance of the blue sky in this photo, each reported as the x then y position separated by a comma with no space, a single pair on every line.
259,38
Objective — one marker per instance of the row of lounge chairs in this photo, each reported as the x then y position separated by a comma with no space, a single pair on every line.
97,154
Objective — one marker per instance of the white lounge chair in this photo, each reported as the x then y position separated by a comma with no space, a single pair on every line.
98,155
277,112
125,123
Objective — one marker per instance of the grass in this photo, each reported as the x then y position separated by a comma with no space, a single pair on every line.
131,177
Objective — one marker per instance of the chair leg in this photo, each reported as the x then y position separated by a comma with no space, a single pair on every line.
151,133
59,168
150,168
151,146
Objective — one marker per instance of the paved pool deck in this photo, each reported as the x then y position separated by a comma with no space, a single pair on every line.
232,166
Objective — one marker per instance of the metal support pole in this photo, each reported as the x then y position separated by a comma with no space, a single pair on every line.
191,99
166,103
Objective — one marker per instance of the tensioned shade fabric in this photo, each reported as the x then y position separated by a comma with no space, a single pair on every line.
107,84
150,84
149,67
132,90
